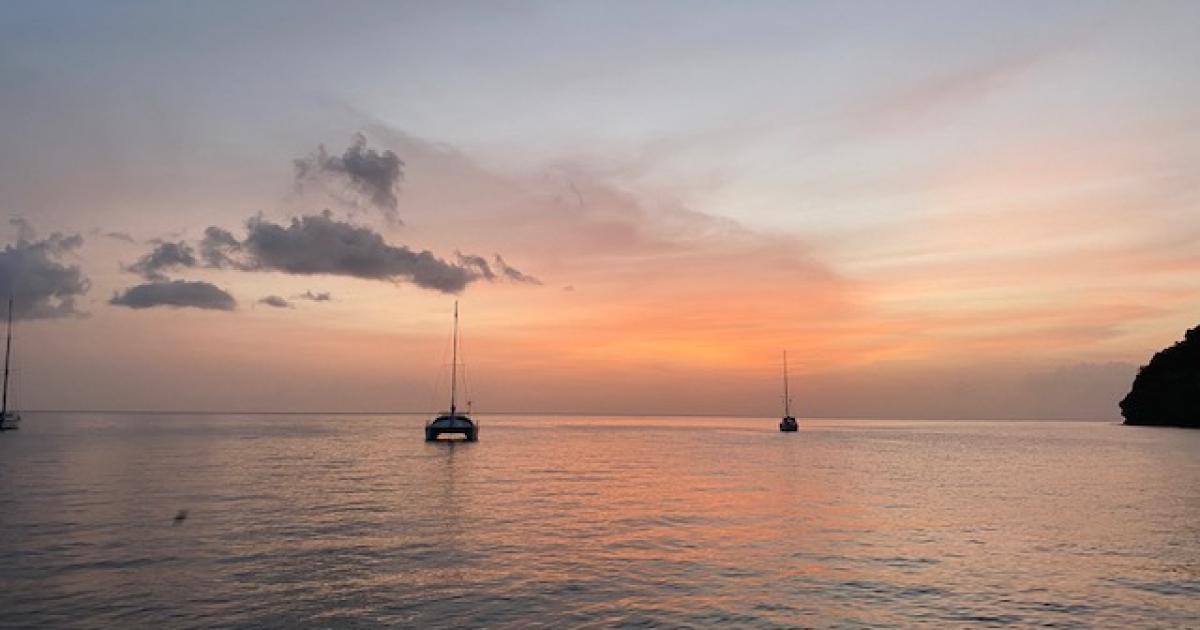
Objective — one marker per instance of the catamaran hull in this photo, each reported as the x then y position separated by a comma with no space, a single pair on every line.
432,435
452,425
789,425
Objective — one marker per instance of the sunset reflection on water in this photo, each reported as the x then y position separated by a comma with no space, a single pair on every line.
607,521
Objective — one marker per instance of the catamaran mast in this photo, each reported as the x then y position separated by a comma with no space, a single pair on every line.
7,354
787,409
453,364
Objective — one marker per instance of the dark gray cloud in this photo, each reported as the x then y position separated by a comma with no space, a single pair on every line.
33,274
494,270
477,263
275,301
372,174
514,274
164,257
319,244
175,294
315,297
218,248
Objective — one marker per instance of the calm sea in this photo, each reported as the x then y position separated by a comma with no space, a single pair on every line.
354,521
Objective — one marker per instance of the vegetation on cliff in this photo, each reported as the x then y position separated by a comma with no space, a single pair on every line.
1166,392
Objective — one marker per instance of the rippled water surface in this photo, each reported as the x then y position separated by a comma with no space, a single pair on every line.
355,521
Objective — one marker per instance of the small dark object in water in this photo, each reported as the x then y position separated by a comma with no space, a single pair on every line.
180,516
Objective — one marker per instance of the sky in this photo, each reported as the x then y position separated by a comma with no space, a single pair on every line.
938,209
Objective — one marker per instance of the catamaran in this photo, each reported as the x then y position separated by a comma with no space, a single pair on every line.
788,423
8,419
453,422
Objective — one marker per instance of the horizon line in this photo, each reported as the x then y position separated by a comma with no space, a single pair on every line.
576,414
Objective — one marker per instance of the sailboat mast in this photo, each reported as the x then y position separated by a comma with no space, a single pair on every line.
454,362
787,401
7,354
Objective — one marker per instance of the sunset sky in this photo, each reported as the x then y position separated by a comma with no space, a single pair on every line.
940,209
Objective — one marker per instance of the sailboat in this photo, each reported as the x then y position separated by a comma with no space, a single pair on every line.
8,419
788,423
452,422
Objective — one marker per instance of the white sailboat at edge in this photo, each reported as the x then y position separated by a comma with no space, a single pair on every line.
8,419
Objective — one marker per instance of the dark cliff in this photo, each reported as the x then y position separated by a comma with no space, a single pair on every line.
1166,392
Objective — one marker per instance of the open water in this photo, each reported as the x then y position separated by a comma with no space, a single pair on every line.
354,521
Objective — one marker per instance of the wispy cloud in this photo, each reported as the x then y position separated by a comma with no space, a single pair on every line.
372,176
497,269
120,236
664,284
323,296
220,249
164,257
478,263
514,274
